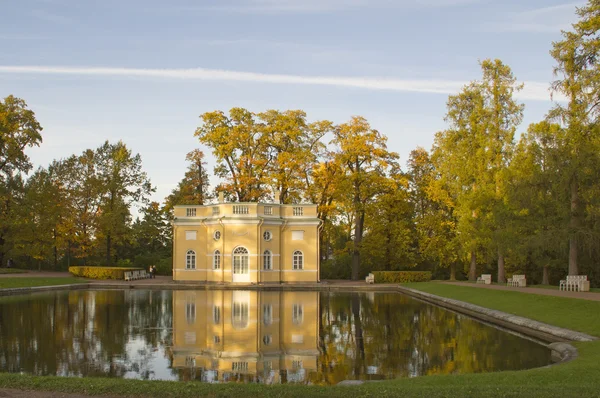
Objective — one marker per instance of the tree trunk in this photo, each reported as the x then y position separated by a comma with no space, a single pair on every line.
55,250
501,274
545,277
68,253
108,249
574,226
452,272
358,233
358,330
473,267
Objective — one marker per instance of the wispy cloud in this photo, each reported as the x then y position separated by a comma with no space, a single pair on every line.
317,6
546,19
532,91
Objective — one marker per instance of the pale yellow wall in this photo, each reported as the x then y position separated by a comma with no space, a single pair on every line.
246,230
244,343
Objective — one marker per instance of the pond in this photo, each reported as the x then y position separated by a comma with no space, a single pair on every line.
247,336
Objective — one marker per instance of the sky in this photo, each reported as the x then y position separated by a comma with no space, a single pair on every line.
143,71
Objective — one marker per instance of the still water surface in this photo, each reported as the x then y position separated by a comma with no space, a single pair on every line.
248,336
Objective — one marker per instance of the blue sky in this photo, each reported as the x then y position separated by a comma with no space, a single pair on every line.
144,70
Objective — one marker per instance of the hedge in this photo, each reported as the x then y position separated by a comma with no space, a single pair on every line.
401,276
101,272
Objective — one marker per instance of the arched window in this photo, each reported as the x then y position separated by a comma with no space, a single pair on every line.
240,260
298,260
190,259
217,260
267,260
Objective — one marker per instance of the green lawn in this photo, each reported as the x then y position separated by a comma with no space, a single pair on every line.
581,315
12,271
578,378
6,283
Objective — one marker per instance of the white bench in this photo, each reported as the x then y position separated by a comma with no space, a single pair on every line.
135,275
370,278
485,278
517,281
575,283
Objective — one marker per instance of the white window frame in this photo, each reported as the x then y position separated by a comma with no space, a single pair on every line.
217,235
298,260
190,212
241,260
190,259
267,260
268,236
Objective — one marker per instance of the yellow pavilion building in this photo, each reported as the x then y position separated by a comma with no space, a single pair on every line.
246,243
235,335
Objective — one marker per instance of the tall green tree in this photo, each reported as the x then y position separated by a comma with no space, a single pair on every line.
365,160
19,130
194,188
578,79
473,155
537,195
124,183
434,221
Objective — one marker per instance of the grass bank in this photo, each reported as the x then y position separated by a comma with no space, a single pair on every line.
11,283
578,378
12,271
580,315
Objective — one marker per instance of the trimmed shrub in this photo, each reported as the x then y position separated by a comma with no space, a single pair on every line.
101,272
401,276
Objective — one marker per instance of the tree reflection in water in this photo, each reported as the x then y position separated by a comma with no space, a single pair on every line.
249,336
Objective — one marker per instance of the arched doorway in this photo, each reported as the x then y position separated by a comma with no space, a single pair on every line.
241,272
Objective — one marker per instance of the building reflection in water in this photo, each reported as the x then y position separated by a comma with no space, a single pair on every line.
267,337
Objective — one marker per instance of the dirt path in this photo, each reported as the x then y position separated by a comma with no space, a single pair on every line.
533,290
12,393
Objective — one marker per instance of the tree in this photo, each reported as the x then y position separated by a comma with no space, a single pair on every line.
578,79
19,130
193,189
389,230
363,156
538,198
473,155
434,221
123,181
241,152
294,146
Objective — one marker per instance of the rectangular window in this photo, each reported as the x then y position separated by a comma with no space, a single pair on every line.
240,209
297,235
298,211
215,211
190,235
216,339
190,212
268,210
